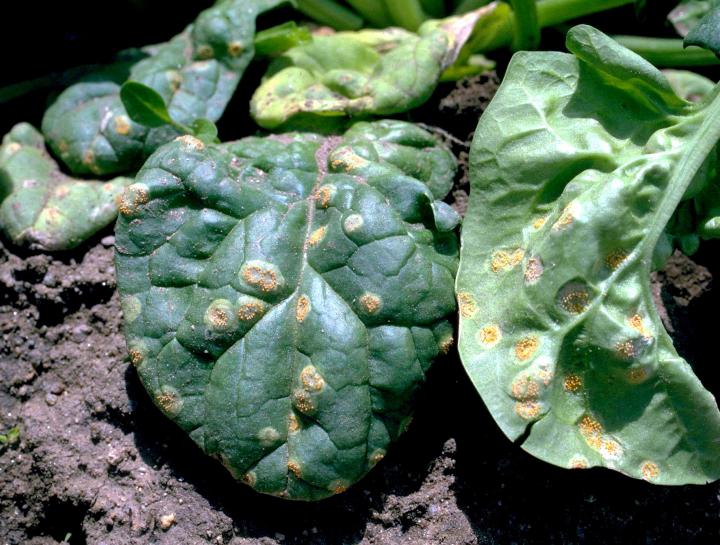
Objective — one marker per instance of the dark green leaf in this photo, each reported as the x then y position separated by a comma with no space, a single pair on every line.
276,40
707,32
284,296
144,105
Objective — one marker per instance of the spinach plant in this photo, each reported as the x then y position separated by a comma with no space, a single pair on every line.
577,166
284,296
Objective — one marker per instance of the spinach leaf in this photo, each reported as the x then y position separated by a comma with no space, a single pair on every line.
576,166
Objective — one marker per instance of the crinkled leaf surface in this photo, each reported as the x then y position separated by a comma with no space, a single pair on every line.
368,72
42,207
196,73
284,296
576,166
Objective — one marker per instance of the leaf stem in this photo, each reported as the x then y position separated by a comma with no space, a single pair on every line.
553,12
373,11
330,13
406,13
527,29
667,52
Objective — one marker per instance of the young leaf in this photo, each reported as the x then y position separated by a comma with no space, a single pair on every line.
205,130
278,39
284,296
144,105
576,166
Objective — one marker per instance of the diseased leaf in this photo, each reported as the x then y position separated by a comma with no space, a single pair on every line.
576,167
689,85
369,72
195,73
44,208
144,105
284,296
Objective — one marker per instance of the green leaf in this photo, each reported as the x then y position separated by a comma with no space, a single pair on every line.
527,26
144,105
10,437
44,208
689,13
369,72
278,39
195,73
576,167
707,32
205,130
284,296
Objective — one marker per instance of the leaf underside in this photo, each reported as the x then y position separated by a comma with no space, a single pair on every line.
558,331
284,296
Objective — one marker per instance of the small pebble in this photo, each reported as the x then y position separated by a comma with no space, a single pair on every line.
166,521
108,241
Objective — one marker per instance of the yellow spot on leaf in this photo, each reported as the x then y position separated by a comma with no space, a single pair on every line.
347,160
338,486
190,141
250,310
133,197
136,356
294,467
539,222
525,388
293,423
489,335
572,383
627,349
526,347
317,235
62,191
615,258
324,195
569,213
205,52
377,456
311,380
235,48
122,125
578,462
250,478
467,304
169,400
302,308
650,470
594,435
446,344
637,375
217,316
637,323
533,270
528,410
353,222
303,401
503,260
370,302
260,275
574,298
268,436
13,147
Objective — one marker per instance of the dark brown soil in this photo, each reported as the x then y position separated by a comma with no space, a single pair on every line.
97,464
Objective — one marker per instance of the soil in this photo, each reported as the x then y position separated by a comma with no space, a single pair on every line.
96,463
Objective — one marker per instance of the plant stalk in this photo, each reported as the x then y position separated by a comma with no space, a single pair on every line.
667,52
406,13
527,29
373,11
330,13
